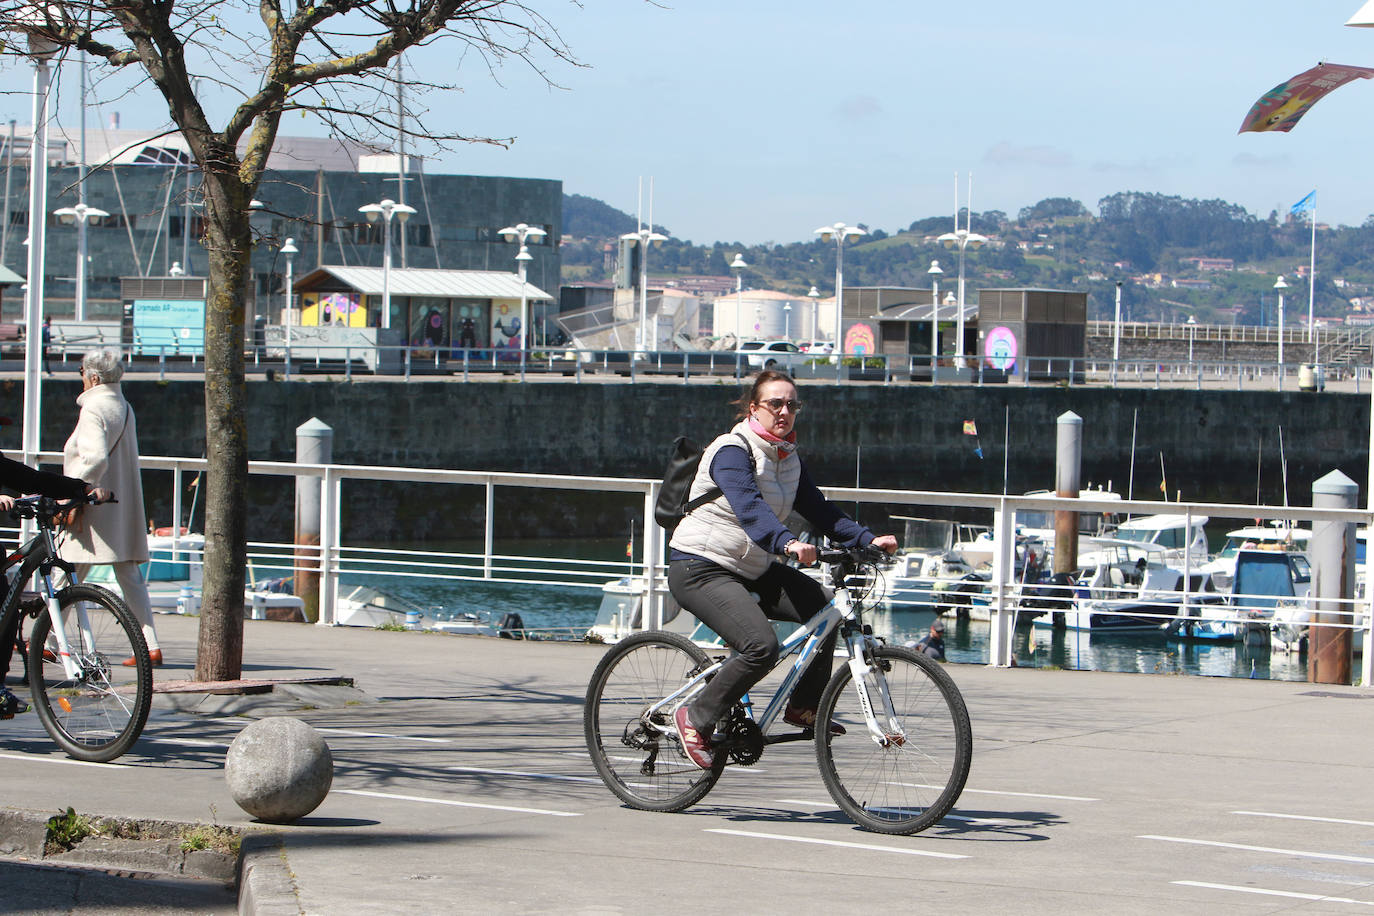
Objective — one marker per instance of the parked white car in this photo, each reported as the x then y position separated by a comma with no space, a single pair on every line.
818,346
773,354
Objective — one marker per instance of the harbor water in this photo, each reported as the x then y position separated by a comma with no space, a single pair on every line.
565,611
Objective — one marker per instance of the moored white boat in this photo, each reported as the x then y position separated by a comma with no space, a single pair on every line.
174,574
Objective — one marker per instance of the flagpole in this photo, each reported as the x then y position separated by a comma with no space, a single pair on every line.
1312,277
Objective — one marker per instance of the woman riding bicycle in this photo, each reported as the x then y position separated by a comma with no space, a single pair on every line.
724,565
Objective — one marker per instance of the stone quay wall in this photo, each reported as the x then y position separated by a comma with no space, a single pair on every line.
1216,446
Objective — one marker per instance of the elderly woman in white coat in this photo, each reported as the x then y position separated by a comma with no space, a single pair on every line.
103,449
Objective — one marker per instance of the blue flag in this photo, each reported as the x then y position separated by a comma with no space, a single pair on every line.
978,451
1307,203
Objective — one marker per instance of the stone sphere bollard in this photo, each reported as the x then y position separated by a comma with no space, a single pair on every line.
279,769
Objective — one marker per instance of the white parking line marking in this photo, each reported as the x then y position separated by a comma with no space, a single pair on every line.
968,791
79,763
189,742
348,732
1305,817
457,804
1334,857
869,846
1273,893
830,805
526,774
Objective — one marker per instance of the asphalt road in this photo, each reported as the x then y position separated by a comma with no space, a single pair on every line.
462,784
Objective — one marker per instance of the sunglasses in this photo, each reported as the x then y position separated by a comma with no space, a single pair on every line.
777,404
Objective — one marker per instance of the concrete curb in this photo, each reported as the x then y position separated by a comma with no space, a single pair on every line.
264,879
266,885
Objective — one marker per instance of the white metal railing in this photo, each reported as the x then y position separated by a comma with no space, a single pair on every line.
333,557
563,363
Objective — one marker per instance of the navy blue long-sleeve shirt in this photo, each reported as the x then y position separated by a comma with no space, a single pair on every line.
733,472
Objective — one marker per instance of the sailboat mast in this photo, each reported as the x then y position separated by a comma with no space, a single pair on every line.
401,152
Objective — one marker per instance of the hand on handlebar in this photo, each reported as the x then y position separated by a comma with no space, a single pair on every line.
886,542
97,495
803,553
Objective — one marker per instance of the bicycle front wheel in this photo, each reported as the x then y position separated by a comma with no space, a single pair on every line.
99,714
912,776
639,756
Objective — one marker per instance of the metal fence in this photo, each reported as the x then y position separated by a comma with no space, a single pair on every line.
1002,590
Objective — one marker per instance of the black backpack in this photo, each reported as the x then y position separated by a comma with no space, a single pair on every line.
673,504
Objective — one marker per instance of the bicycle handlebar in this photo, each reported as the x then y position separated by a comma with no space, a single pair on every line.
46,507
852,556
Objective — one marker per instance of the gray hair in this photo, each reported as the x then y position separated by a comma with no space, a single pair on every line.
104,364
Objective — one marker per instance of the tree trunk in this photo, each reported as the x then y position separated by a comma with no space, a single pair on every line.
219,653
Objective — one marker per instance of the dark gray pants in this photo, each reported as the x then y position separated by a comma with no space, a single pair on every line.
722,600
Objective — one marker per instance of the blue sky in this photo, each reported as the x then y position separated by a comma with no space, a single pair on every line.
761,121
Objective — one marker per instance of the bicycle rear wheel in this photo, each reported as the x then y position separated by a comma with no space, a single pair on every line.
908,782
99,714
640,759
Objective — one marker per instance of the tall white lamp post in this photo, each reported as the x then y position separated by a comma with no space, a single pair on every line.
40,52
934,272
738,265
386,210
79,215
1280,285
521,233
290,250
839,232
645,238
787,321
961,239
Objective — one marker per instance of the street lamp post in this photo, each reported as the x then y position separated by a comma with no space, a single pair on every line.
934,272
40,51
738,265
839,232
787,321
290,250
79,215
961,239
1280,285
386,210
522,233
645,237
1192,330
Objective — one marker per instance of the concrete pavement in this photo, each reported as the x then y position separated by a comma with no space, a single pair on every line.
461,784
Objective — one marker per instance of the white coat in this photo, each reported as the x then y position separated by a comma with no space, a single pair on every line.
103,451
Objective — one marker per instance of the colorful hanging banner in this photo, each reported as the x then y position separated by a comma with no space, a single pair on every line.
1281,107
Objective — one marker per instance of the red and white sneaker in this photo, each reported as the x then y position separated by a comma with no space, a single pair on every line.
694,744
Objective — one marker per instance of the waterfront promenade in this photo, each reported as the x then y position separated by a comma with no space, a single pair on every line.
461,784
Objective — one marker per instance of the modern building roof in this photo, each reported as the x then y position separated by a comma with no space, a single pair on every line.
415,281
117,146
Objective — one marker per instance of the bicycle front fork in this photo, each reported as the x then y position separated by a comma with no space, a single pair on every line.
59,632
874,698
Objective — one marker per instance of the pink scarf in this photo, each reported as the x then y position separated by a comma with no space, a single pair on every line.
785,446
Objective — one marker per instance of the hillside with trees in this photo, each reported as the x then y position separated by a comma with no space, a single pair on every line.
1151,243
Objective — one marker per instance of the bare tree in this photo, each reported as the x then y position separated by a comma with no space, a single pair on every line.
328,59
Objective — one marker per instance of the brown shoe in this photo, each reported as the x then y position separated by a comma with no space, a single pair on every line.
806,718
154,657
694,744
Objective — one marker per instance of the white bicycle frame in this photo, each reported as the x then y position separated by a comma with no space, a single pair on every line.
809,639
